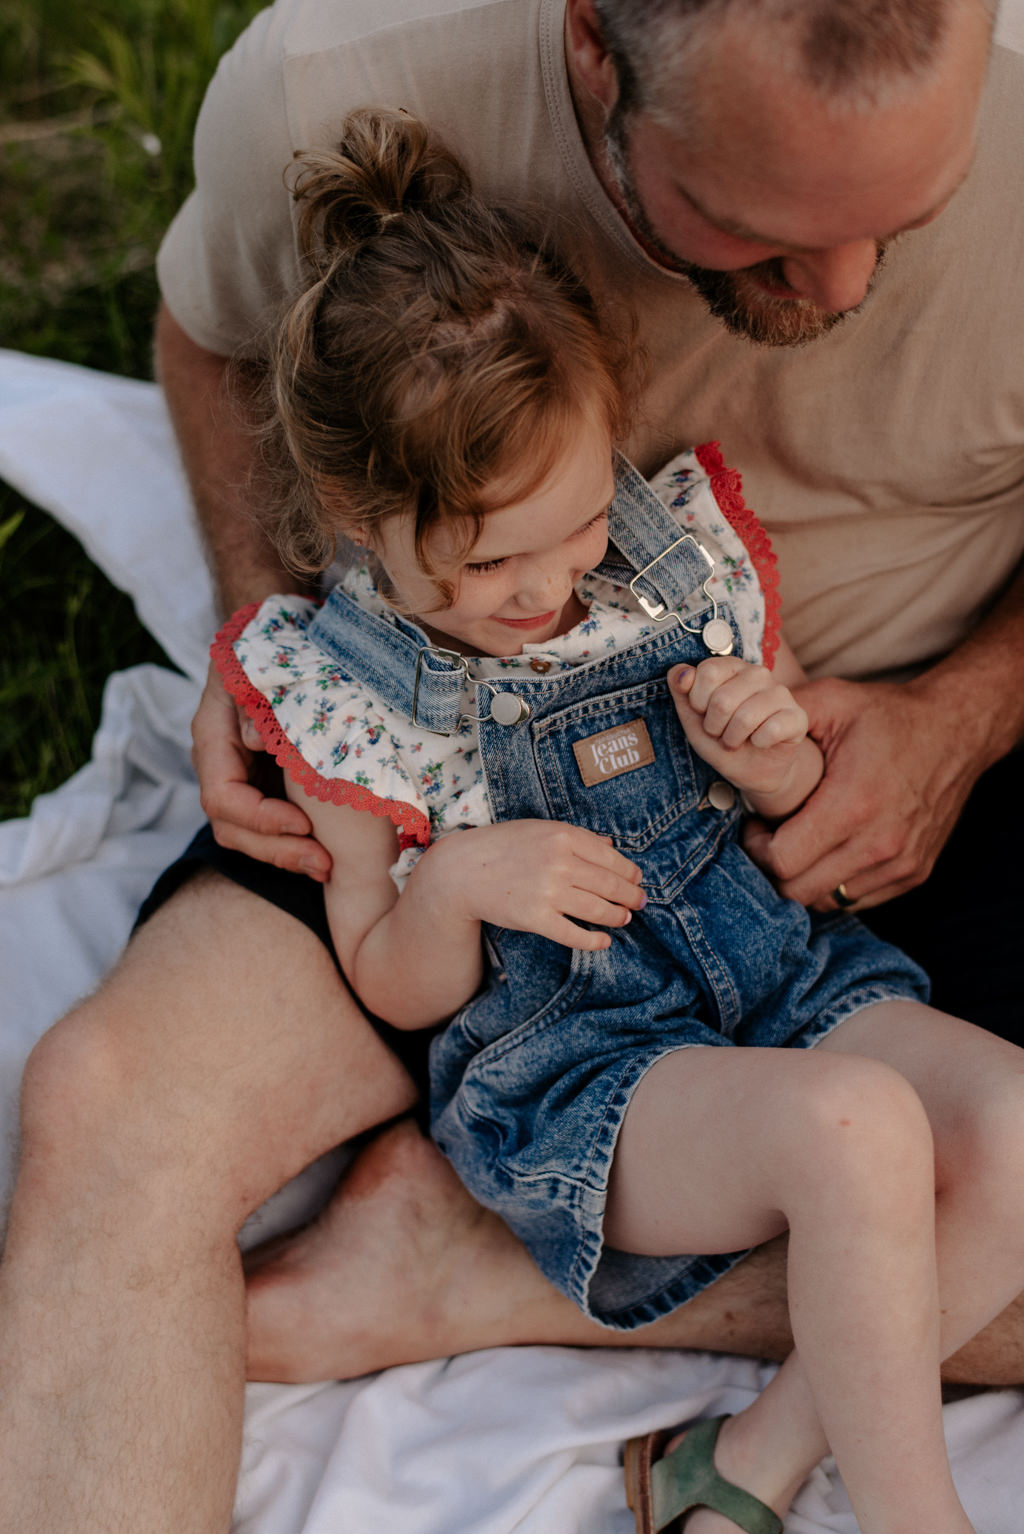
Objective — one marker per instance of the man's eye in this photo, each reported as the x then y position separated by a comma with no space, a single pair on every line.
483,566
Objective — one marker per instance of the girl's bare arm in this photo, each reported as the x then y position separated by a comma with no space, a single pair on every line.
414,959
410,966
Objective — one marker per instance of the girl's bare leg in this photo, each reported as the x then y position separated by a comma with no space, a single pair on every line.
845,1158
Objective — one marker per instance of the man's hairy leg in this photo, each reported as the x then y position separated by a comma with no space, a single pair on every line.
404,1266
221,1056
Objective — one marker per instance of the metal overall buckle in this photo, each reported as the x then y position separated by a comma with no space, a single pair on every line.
506,708
715,632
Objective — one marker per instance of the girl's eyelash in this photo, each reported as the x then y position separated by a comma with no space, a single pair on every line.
482,566
487,564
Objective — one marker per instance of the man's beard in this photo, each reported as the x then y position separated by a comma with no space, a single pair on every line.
736,298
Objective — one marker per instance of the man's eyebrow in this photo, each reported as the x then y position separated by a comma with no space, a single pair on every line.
740,231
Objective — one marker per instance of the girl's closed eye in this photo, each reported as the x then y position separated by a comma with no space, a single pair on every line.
587,527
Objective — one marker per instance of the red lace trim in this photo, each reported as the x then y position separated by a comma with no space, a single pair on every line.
727,488
412,825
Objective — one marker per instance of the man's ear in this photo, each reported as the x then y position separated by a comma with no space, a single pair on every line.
590,60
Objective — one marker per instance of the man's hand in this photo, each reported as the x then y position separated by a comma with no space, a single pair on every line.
897,773
535,876
273,830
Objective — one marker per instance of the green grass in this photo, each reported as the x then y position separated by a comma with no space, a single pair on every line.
97,107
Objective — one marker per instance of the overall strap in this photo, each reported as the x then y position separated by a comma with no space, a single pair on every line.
396,659
665,568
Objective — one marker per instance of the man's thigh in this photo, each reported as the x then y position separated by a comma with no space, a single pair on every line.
964,925
232,1030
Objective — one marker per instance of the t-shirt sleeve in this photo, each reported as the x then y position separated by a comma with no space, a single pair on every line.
228,258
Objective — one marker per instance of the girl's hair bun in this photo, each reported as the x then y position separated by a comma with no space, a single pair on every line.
388,165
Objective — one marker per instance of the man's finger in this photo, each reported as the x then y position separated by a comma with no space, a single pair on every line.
873,886
252,740
237,800
865,883
295,854
811,885
790,850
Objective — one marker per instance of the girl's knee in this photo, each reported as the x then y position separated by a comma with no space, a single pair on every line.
865,1126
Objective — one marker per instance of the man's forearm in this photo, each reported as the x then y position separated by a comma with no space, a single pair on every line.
217,450
978,686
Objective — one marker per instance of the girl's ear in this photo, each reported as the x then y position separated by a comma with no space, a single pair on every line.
359,535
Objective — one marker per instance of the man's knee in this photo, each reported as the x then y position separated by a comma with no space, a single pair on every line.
103,1126
72,1080
205,1068
97,1119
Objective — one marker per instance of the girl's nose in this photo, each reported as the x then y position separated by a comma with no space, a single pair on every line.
544,584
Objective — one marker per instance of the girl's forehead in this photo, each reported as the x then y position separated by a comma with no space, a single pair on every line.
578,486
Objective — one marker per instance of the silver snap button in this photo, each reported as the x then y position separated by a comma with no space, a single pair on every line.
717,635
721,795
540,666
507,709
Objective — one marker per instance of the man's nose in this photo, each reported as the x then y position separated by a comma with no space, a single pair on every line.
836,279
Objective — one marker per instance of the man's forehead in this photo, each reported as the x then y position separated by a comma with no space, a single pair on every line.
768,159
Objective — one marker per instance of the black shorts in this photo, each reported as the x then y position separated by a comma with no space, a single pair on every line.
302,898
965,924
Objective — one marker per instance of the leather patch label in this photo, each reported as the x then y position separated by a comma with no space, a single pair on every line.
613,752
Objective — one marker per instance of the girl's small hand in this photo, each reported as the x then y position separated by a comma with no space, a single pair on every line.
740,720
537,876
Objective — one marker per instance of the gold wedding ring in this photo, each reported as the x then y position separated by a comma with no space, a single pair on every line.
841,898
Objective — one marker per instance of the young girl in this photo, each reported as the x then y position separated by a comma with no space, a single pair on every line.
651,1053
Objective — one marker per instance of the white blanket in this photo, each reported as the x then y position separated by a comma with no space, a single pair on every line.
521,1439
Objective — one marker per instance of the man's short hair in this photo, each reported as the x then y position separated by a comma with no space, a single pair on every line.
848,50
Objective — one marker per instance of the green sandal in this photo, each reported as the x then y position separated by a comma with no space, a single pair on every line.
661,1490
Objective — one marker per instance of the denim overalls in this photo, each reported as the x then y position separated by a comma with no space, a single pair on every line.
531,1080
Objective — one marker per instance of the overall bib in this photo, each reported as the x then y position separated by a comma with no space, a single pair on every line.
531,1080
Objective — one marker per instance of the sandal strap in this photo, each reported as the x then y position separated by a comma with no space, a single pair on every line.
687,1478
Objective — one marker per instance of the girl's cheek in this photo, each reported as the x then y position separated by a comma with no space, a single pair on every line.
480,596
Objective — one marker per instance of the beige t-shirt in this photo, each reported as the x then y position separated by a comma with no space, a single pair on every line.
886,459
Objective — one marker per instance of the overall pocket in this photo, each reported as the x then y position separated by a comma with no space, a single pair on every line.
619,765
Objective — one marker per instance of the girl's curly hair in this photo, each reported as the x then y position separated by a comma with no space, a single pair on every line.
435,348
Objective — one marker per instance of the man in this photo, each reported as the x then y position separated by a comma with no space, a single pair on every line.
786,145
